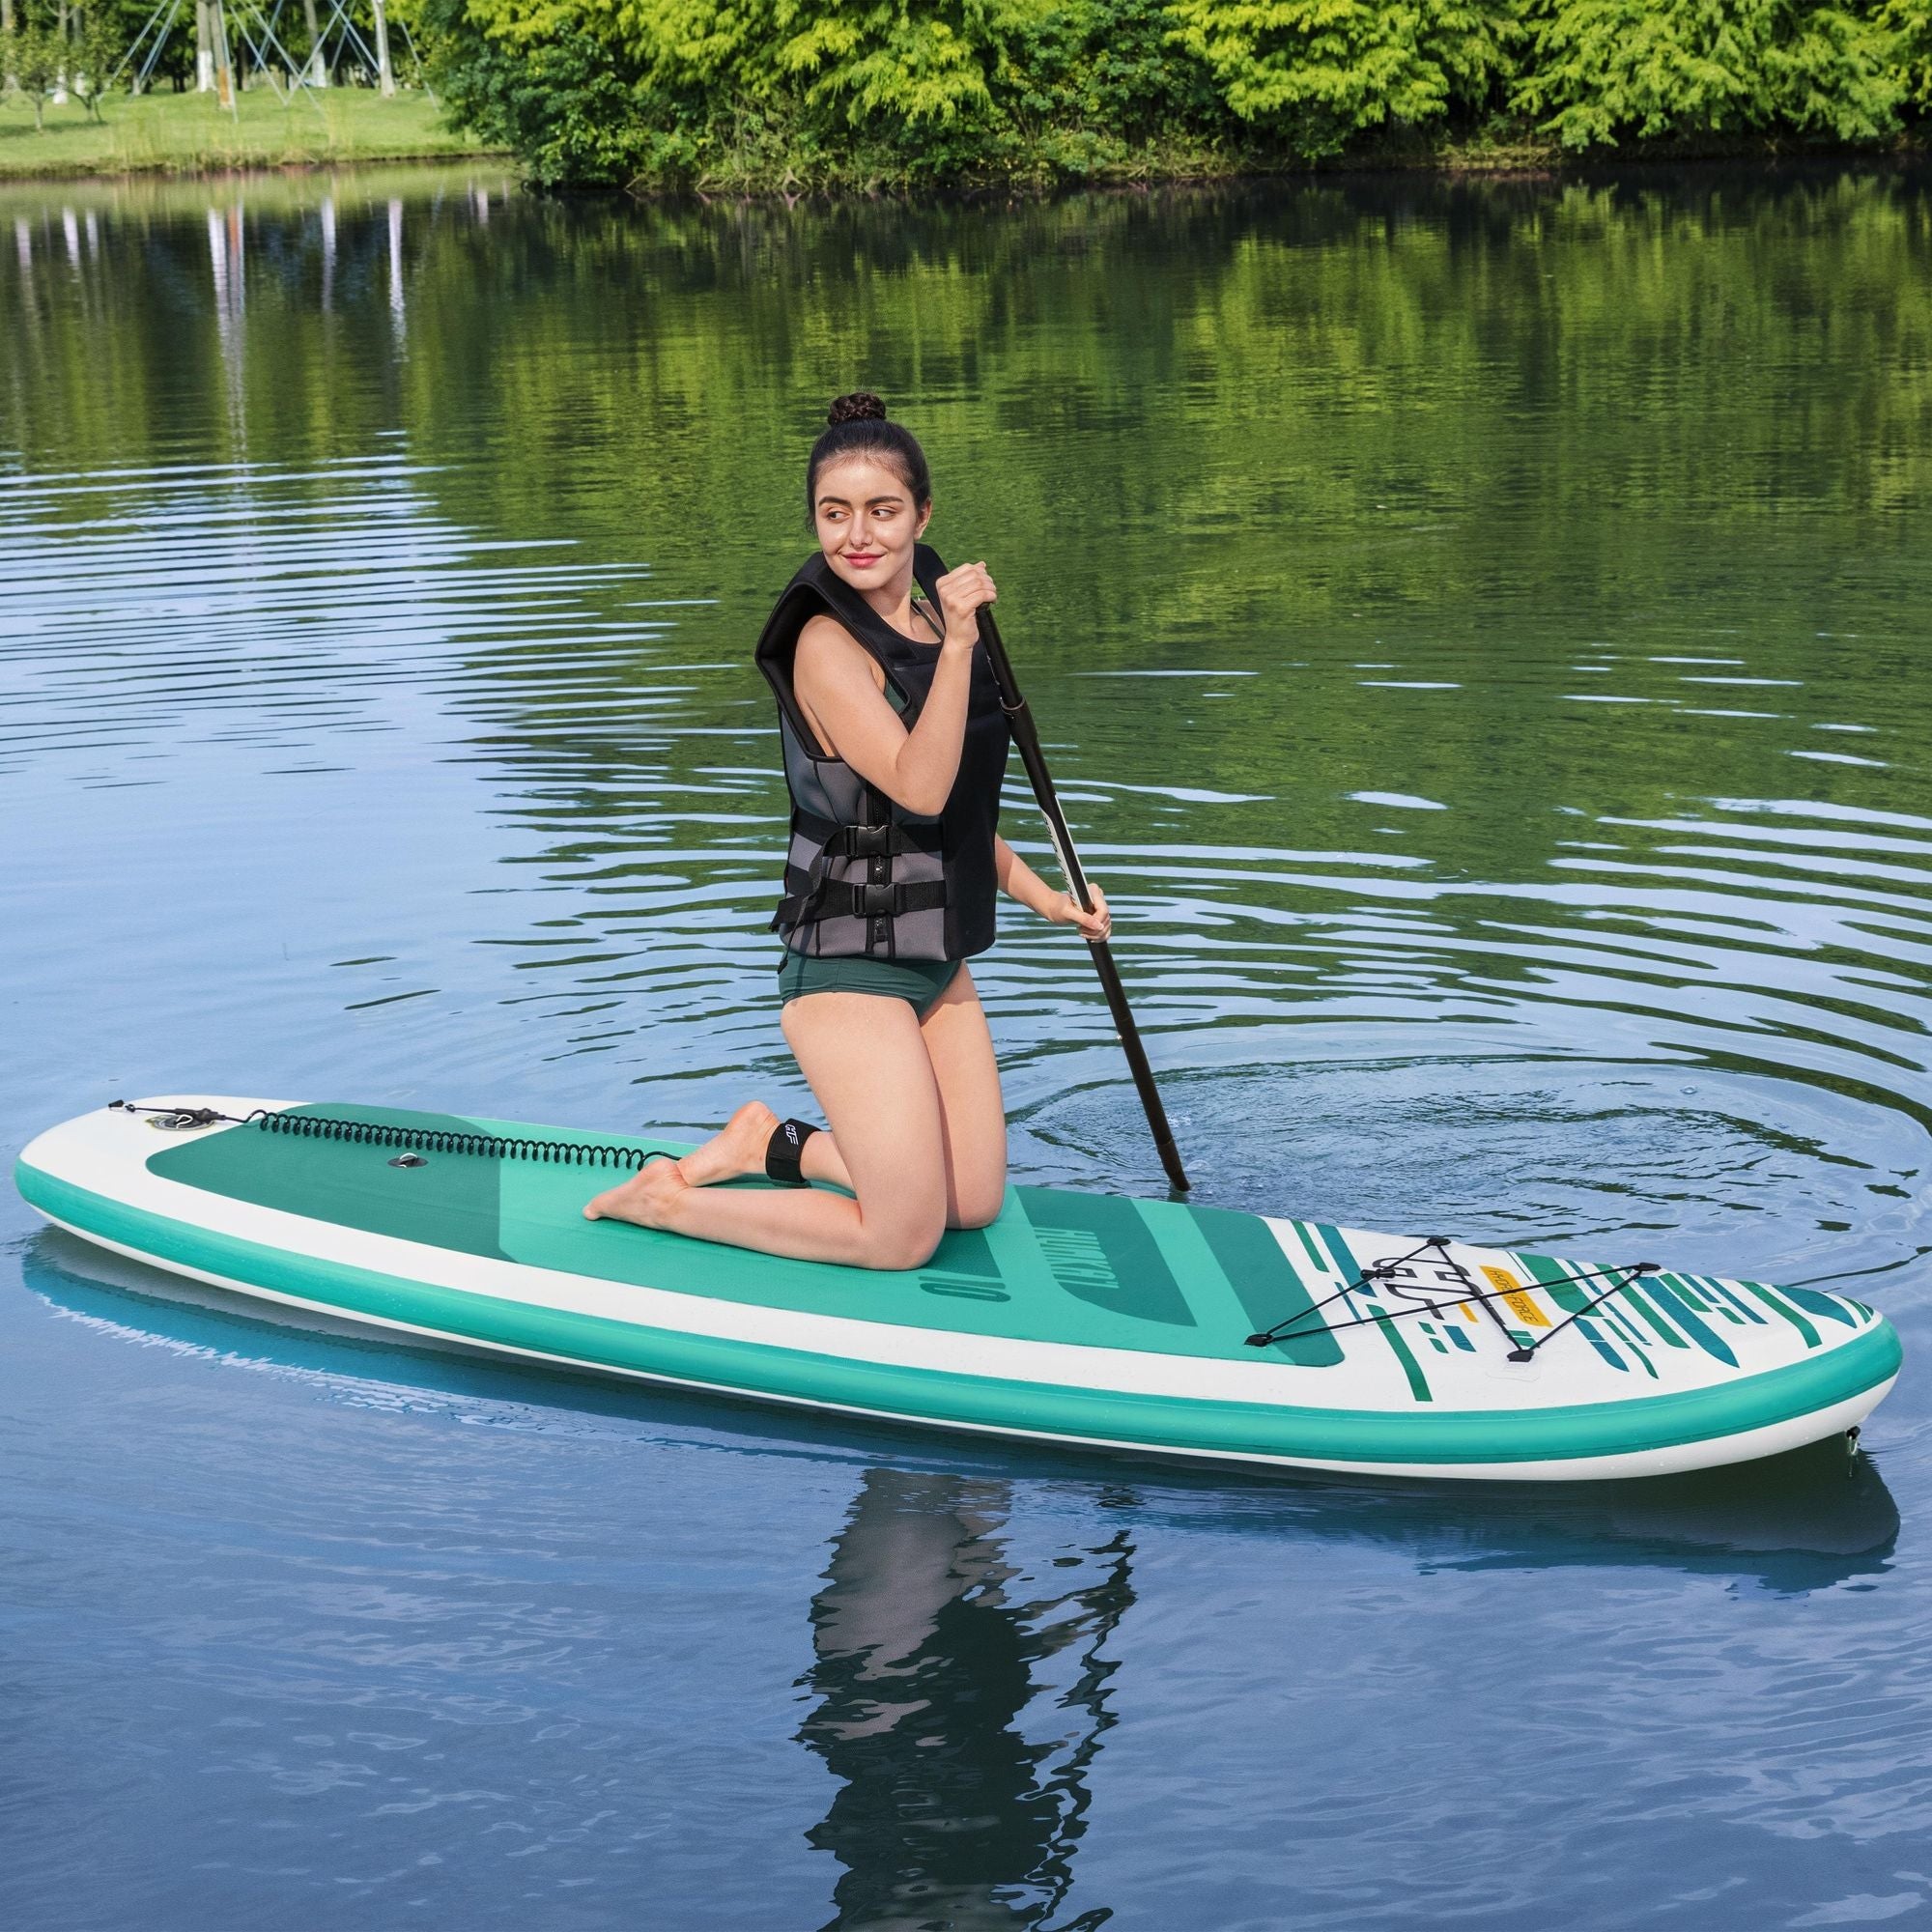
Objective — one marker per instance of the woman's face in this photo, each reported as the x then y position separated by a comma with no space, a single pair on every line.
867,522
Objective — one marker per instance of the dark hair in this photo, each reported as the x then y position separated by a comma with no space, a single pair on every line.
859,428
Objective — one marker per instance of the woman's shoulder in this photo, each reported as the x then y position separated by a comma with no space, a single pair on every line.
824,640
825,645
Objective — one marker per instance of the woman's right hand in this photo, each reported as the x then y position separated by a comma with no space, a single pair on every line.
961,593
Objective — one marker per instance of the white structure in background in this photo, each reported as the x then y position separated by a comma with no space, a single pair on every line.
386,74
215,60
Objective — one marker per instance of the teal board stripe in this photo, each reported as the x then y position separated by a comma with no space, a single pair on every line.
1746,1312
1778,1303
1589,1329
1266,1282
1665,1289
1231,1429
1828,1308
1632,1297
1418,1382
1555,1280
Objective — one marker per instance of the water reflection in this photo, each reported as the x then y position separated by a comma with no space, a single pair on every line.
929,1656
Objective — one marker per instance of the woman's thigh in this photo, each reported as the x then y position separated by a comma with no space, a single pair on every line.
972,1113
870,1069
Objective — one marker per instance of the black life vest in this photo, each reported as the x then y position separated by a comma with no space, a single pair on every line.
864,876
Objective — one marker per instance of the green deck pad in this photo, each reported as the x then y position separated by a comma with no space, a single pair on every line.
350,1184
1101,1251
1095,1270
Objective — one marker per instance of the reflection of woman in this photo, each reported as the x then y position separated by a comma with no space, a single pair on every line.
894,749
947,1814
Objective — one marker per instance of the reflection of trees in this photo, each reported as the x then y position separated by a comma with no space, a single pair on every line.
948,1813
1473,428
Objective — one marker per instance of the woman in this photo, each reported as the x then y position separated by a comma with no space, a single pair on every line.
895,747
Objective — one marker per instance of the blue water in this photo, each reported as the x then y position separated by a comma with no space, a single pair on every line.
378,566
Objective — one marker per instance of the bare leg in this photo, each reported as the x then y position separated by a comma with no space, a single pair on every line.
972,1114
868,1063
972,1109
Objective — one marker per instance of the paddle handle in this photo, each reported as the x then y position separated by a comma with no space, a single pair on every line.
1026,736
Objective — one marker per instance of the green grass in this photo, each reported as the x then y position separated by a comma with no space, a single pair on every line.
188,133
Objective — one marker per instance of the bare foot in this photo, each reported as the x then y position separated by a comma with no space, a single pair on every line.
648,1199
737,1147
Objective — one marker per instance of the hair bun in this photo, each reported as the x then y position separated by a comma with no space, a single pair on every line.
861,406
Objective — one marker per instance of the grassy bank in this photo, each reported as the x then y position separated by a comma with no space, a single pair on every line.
188,133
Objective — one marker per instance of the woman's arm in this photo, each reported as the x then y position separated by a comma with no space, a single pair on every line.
1019,880
842,690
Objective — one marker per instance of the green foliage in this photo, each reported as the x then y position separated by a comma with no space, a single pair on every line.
904,93
96,52
1326,70
1910,23
35,57
1607,71
537,81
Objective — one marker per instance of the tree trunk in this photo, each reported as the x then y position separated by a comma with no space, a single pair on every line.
225,80
204,49
318,66
386,74
9,82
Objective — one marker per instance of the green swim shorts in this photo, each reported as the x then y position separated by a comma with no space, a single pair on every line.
918,981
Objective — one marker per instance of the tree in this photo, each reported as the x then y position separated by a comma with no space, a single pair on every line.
37,58
1322,70
1910,22
1606,71
97,52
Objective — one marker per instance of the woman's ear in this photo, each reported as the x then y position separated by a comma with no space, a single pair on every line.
924,518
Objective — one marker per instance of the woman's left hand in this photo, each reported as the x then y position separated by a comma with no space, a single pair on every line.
1095,924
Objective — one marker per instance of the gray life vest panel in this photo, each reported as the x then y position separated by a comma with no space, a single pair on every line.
865,877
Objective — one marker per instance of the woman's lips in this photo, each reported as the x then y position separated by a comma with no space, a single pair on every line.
862,562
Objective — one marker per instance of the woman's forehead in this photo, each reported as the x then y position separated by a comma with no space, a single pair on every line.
860,479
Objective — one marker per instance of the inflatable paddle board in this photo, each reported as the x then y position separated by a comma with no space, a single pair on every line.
1149,1326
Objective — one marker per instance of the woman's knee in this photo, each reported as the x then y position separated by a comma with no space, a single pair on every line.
902,1241
979,1208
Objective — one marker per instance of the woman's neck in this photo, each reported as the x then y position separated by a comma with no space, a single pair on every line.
892,601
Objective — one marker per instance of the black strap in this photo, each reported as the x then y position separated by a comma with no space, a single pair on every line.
867,841
784,1152
840,898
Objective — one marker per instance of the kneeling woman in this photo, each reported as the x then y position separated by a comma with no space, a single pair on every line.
895,747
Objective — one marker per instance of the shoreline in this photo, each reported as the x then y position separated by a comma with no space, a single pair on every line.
162,172
1520,161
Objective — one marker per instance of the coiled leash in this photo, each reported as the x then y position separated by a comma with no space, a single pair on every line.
417,1139
784,1152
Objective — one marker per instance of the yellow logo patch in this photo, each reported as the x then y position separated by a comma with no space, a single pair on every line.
1515,1300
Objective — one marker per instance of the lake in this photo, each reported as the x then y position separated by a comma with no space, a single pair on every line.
1479,632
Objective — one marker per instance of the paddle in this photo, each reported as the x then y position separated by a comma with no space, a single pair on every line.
1027,738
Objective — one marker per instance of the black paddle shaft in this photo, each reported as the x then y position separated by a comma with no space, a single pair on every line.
1027,737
